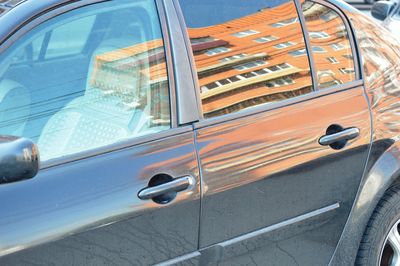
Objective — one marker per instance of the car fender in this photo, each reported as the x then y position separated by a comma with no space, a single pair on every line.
382,170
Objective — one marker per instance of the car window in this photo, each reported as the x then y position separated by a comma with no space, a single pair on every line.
331,48
67,39
70,38
31,52
247,53
113,90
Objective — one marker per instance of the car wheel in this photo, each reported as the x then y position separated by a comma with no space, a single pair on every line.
380,244
369,1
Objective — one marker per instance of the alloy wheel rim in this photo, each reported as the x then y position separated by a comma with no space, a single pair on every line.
390,253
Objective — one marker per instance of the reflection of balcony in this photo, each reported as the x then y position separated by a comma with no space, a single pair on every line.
249,81
258,93
198,47
223,66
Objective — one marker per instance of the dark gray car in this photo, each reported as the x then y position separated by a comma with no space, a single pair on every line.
197,132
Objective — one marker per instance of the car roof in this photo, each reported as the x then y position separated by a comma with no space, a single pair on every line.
7,5
16,13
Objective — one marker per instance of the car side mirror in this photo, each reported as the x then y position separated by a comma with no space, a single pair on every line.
381,9
19,159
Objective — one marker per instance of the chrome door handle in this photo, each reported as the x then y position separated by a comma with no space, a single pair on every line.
175,185
345,134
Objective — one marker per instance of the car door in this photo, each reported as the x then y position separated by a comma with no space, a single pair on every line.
282,145
119,180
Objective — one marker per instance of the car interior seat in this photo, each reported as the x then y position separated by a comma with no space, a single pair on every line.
113,107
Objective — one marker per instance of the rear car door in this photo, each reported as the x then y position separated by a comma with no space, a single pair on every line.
282,145
119,182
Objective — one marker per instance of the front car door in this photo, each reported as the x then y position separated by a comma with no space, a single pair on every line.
282,146
93,88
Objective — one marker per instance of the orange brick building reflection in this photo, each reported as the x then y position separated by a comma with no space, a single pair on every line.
255,59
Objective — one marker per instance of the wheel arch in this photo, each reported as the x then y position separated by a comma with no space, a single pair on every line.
382,170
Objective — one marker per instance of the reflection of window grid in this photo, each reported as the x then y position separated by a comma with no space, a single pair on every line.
249,65
337,46
221,82
244,76
332,59
265,39
233,57
279,67
217,50
318,35
346,70
245,33
284,23
318,49
279,82
284,45
299,52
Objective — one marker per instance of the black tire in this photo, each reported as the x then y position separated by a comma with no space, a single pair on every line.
370,2
384,217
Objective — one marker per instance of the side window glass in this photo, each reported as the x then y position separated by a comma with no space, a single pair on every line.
247,53
114,89
30,53
70,38
330,45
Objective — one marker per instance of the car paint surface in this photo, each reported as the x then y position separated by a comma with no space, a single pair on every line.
90,212
80,209
282,172
380,57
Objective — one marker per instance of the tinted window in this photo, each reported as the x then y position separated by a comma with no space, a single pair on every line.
247,53
105,84
70,38
330,43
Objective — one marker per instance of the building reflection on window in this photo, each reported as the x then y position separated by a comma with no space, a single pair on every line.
330,43
249,60
137,76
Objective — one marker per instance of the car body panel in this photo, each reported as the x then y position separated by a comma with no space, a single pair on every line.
268,168
86,211
266,191
380,57
90,212
286,231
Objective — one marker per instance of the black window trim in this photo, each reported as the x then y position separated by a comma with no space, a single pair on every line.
54,11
